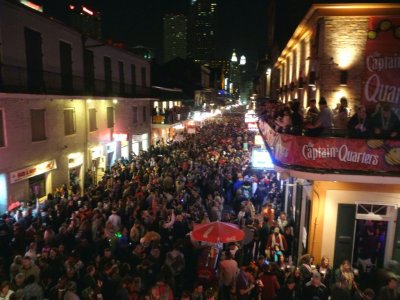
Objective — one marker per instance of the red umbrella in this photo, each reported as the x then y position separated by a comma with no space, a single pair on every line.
217,232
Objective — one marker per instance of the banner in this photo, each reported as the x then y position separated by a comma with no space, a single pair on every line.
382,63
333,154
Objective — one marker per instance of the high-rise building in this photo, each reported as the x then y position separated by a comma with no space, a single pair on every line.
175,30
202,28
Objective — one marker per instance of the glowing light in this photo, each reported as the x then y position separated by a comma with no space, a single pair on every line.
345,57
3,192
32,5
234,57
89,100
242,60
120,137
88,11
115,101
71,7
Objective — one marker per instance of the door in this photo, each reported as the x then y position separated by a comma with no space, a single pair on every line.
66,66
34,63
396,244
344,233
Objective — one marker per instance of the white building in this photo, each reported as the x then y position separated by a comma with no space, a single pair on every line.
67,104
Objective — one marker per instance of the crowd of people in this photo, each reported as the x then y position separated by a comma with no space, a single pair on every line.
128,237
321,120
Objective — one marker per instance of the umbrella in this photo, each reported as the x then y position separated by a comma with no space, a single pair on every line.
217,232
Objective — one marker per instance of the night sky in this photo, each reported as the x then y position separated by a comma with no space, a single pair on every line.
241,24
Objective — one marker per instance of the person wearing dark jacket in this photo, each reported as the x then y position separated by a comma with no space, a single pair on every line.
289,291
315,289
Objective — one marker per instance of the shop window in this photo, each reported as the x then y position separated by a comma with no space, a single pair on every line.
92,119
134,115
144,114
372,209
110,117
2,135
37,186
69,121
38,125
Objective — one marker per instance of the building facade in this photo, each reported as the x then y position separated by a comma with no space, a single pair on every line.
67,105
202,27
345,189
175,32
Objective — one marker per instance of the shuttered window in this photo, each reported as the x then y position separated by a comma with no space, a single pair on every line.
38,125
110,117
69,121
134,115
92,119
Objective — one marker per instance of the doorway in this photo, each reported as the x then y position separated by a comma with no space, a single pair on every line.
370,244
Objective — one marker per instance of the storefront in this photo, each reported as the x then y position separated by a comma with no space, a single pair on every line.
36,180
75,172
3,192
110,154
98,164
140,142
122,145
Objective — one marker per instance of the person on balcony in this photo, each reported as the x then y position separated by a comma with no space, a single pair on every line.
341,116
324,124
312,113
297,118
283,124
359,125
386,124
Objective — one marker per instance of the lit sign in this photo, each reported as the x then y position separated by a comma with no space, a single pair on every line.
96,152
75,160
252,126
250,118
258,140
179,126
32,5
32,171
88,11
120,137
261,159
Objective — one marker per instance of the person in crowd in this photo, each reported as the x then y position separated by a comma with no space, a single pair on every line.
228,269
359,125
244,284
386,124
315,289
305,269
269,284
276,242
289,291
389,291
324,123
312,113
297,118
340,290
341,115
326,271
5,291
346,272
284,123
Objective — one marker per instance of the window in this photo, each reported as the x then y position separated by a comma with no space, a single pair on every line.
37,184
38,125
121,77
2,135
144,114
134,115
110,117
69,121
144,84
92,119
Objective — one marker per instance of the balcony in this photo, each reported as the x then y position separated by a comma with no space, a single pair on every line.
170,117
332,155
15,79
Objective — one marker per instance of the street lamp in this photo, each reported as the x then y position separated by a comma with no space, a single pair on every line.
268,81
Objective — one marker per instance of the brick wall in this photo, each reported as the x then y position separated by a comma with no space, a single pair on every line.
343,42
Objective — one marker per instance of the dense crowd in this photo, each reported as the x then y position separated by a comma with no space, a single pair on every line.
129,237
321,120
